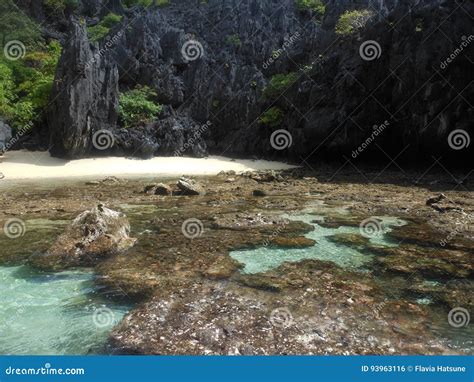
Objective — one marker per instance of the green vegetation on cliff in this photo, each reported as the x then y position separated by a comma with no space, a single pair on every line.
27,67
102,29
351,21
137,106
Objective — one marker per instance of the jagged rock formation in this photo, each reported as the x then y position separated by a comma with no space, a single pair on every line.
329,109
85,96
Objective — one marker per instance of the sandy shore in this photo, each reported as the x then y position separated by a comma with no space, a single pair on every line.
16,165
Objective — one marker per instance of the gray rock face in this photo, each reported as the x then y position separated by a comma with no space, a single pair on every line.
5,136
329,110
85,96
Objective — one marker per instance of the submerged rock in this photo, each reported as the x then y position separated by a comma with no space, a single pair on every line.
93,236
292,242
432,263
352,240
324,310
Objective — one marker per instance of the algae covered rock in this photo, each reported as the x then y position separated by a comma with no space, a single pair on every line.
91,237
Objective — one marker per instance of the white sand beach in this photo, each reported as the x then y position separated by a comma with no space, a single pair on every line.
17,165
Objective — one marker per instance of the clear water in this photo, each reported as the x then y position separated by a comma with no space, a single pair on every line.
42,314
264,258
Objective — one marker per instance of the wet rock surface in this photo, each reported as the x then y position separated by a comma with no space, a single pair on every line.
305,318
194,299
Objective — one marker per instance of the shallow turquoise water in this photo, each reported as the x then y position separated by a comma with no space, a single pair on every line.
53,313
264,258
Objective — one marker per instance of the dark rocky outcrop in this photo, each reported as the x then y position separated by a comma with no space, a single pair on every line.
84,97
5,136
329,109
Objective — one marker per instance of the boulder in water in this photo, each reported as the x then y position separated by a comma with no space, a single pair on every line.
93,236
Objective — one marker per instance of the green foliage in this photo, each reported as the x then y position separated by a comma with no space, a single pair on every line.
26,84
162,3
15,25
278,84
273,117
233,39
316,6
351,21
137,106
102,29
132,3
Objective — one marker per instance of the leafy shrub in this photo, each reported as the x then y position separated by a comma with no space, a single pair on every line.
278,84
316,6
132,3
59,6
273,117
102,29
26,84
15,25
351,21
137,107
